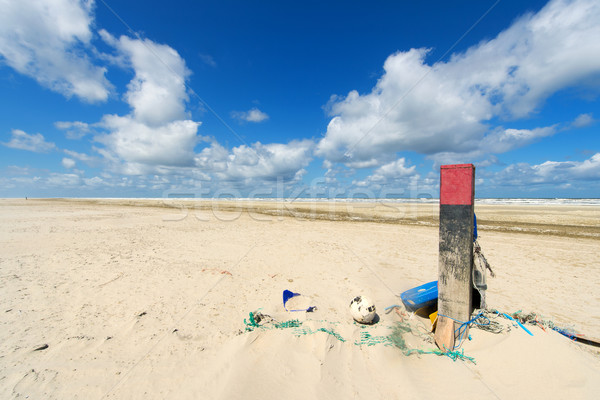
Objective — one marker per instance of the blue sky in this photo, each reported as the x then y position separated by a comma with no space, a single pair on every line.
312,99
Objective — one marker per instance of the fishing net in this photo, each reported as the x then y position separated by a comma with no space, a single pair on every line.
260,321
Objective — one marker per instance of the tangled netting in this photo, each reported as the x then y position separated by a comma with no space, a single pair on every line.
263,321
535,319
258,320
489,320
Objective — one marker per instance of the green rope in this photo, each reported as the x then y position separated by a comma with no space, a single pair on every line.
397,339
308,331
367,339
254,320
252,323
258,320
294,323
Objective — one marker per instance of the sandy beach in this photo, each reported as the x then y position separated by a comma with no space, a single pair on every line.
147,299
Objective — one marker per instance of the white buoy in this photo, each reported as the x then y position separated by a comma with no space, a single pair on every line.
362,310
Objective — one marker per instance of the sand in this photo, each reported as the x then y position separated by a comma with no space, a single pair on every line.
147,299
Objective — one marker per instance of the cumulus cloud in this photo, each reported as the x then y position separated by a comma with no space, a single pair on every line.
252,115
51,41
257,162
499,140
95,181
549,172
390,172
73,130
170,144
86,158
502,140
395,169
157,133
447,107
157,93
583,120
68,163
47,41
35,142
61,180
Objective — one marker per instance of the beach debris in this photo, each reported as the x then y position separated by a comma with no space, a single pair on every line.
479,254
536,320
288,294
433,317
258,320
42,347
142,314
363,310
518,322
425,295
397,339
480,268
486,320
369,340
398,310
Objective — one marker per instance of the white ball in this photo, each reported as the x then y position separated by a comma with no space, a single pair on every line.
362,310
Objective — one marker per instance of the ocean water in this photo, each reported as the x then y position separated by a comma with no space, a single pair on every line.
572,202
495,201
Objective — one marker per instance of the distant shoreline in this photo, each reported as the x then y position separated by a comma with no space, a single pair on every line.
575,220
583,201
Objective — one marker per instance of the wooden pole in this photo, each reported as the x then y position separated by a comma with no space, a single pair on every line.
455,268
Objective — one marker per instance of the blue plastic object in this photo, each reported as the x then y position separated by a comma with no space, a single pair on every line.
288,294
518,322
421,296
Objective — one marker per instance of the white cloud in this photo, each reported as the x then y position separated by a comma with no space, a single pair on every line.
47,41
395,169
81,157
95,181
34,142
503,140
583,120
260,161
157,134
388,173
549,172
498,141
68,163
61,180
252,115
489,161
447,107
157,93
170,144
73,130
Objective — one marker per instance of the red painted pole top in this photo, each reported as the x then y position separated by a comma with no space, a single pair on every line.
457,184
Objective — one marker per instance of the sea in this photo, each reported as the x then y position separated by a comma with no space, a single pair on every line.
495,201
